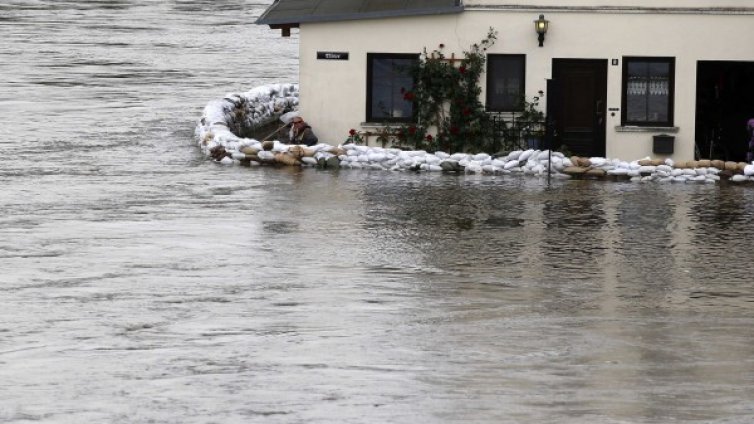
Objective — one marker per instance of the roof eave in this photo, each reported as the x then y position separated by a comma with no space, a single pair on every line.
357,16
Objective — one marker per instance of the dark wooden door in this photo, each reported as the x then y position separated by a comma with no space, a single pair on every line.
580,105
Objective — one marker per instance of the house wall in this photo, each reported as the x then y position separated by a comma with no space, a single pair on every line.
333,93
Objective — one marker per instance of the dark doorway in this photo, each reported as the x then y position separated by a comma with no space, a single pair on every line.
724,102
580,105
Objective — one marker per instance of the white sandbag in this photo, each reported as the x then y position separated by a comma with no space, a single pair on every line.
598,162
514,155
432,159
526,155
488,169
266,156
749,170
473,168
376,157
480,157
434,168
647,169
738,178
618,171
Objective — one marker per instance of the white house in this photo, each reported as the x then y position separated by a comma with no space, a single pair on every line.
620,74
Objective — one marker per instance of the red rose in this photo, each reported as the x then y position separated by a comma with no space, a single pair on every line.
352,132
462,69
442,46
429,137
409,96
412,130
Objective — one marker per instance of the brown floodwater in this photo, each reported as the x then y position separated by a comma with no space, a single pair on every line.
140,282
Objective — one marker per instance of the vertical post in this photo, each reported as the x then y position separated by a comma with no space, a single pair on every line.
550,124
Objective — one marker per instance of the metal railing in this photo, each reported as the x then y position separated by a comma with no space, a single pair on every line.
513,133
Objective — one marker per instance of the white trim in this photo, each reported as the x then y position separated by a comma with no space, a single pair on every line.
614,9
632,128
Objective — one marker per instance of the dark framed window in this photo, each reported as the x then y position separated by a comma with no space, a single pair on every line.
648,91
388,80
506,82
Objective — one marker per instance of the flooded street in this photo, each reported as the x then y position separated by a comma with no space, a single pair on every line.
141,282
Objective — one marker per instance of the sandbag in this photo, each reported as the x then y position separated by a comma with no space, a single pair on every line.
286,159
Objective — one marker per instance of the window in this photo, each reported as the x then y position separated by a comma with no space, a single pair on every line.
505,82
388,80
648,91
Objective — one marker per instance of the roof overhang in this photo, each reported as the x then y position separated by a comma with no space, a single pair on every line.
287,14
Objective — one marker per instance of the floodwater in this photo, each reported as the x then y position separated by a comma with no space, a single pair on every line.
140,282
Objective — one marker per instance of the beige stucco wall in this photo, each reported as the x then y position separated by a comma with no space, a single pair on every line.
333,93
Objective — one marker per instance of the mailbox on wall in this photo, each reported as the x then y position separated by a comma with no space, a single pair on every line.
663,144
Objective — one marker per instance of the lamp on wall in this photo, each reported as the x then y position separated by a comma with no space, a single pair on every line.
540,25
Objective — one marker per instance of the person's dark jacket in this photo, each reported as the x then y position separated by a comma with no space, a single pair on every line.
306,136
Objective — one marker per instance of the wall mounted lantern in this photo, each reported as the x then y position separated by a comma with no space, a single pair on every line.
540,25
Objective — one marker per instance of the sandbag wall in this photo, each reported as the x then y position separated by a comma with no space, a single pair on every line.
226,121
219,134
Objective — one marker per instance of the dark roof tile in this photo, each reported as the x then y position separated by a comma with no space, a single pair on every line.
293,12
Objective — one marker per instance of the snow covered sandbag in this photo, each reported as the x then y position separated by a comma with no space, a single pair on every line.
749,170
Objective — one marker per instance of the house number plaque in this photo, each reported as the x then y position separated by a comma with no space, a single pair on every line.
332,55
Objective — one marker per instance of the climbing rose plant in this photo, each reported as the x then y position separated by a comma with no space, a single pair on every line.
446,97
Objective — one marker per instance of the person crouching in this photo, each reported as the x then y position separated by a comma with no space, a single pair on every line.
301,133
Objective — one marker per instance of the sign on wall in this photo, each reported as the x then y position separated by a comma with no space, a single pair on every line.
332,55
